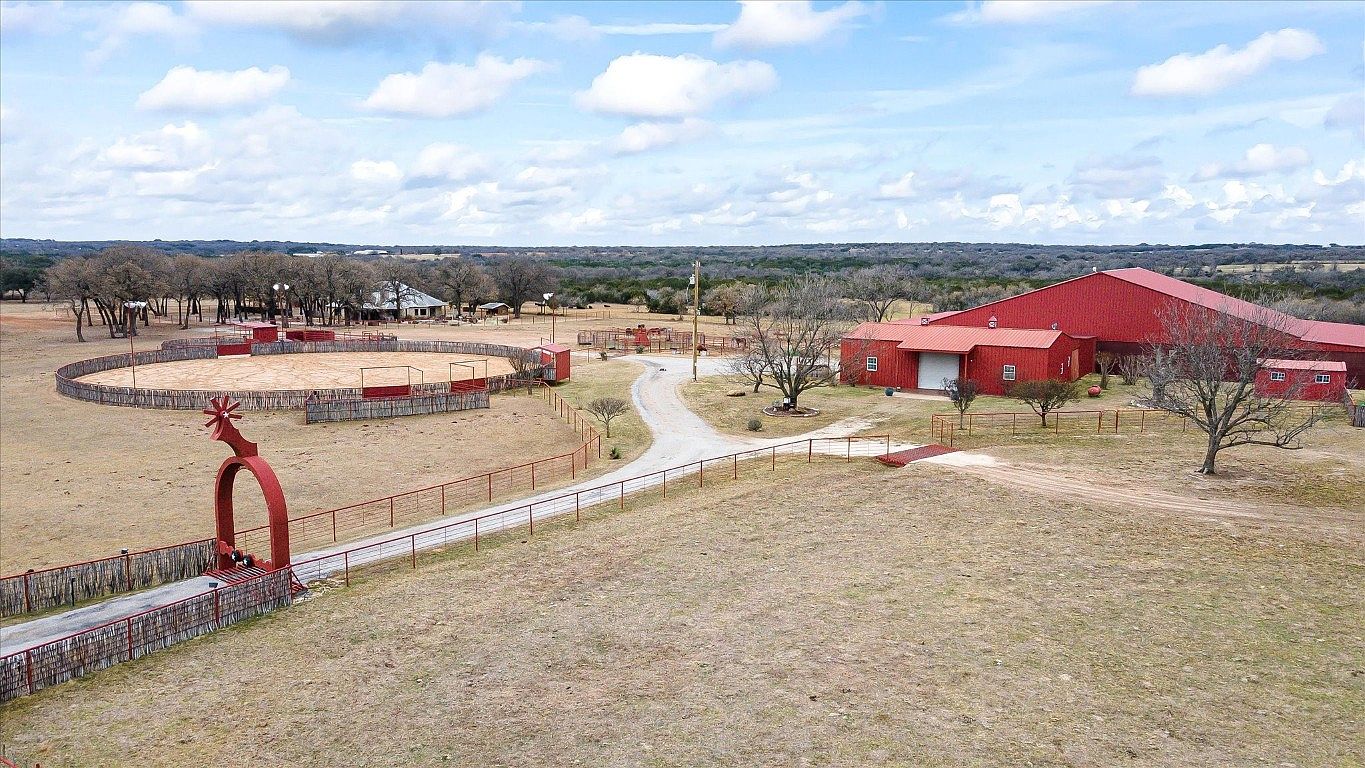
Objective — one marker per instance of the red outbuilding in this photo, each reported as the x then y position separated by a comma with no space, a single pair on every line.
261,333
556,357
1121,309
915,356
1314,379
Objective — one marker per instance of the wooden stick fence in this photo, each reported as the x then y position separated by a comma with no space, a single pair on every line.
54,587
132,637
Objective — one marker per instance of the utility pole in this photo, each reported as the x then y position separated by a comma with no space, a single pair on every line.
696,312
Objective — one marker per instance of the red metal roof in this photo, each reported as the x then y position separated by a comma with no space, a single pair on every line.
1346,334
1305,365
953,338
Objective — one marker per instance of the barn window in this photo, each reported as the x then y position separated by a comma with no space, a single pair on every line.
1323,378
1008,373
1277,375
872,364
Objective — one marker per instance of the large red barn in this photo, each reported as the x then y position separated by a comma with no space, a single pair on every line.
1120,309
912,356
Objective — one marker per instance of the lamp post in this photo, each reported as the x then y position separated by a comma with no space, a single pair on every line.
130,310
548,296
282,290
695,284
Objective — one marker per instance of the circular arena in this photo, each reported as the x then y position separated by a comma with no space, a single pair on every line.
325,370
285,374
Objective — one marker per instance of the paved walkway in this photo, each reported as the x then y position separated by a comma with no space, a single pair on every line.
680,437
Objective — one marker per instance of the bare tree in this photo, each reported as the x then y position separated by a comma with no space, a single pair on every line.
1045,395
963,393
518,278
1130,368
1205,370
462,282
876,289
608,408
187,274
397,281
74,280
792,335
725,300
748,367
526,365
1105,361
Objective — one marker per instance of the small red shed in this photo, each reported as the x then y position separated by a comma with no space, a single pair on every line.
1314,379
261,333
911,356
557,357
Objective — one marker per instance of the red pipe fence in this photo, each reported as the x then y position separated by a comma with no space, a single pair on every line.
947,428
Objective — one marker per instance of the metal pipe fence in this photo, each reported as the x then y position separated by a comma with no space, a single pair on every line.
948,428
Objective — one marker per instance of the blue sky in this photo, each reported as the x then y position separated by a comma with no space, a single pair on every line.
684,123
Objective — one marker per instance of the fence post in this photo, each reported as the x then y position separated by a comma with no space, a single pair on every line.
530,520
129,624
346,563
810,448
774,449
623,493
28,601
217,607
736,470
390,511
1142,422
128,570
533,475
665,483
1116,421
575,507
28,669
476,534
701,470
848,449
443,501
413,540
1099,422
334,525
888,443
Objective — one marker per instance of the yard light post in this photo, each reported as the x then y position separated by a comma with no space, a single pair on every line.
282,291
695,285
130,310
549,296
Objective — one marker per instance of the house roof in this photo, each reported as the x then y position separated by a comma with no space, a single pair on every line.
494,305
954,339
384,298
554,347
1321,366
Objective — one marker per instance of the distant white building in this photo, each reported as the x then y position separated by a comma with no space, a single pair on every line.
415,303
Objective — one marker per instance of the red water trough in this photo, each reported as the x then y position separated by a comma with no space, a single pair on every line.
901,458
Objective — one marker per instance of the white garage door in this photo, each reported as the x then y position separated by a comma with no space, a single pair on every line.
934,368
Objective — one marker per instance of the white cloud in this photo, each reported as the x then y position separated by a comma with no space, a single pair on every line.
448,90
44,18
449,162
1347,113
658,28
1353,170
770,23
1023,11
1258,161
141,20
173,147
579,29
189,89
1119,176
642,137
650,86
346,21
1221,67
899,189
375,171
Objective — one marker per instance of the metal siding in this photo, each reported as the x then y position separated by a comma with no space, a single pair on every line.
890,362
1311,390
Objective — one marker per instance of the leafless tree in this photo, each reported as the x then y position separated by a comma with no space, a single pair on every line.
462,282
749,367
519,278
1105,361
127,273
397,282
962,392
526,365
1045,395
1205,370
1130,368
75,281
608,408
186,281
876,289
792,335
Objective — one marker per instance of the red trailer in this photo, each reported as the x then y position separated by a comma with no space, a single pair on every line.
261,333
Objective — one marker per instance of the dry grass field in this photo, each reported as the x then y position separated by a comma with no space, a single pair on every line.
925,616
80,480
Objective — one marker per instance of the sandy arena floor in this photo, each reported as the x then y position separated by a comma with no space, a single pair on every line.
303,371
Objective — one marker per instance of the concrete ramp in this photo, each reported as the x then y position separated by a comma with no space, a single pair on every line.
901,458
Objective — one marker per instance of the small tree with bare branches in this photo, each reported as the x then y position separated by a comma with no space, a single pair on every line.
1205,370
876,289
962,392
1045,395
1130,368
608,408
1105,361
